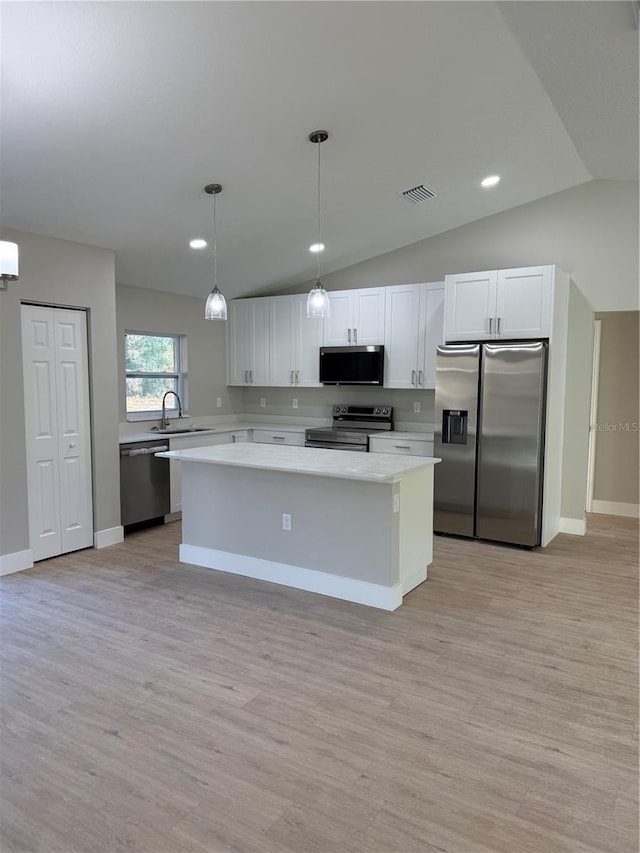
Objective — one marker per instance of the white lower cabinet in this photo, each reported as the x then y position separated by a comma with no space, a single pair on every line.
395,443
271,436
184,442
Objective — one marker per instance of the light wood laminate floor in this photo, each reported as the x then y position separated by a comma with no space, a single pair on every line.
159,707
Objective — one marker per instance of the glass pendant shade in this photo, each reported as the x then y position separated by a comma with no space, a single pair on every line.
216,306
318,304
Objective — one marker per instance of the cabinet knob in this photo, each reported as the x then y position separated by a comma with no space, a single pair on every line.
72,444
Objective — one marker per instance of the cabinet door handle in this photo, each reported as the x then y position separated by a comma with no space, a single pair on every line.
251,376
291,379
297,376
355,336
246,376
419,377
349,335
413,377
278,437
498,324
402,447
490,325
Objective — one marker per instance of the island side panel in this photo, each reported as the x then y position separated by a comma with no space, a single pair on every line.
416,527
345,528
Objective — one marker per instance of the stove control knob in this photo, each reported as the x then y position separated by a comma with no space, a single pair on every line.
344,410
377,412
385,411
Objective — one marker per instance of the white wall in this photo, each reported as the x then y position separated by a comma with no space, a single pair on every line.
59,272
142,310
590,231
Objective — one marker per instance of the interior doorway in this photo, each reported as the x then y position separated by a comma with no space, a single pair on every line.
58,429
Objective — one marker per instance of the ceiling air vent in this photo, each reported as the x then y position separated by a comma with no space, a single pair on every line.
419,194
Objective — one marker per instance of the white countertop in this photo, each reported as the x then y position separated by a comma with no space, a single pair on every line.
152,435
345,464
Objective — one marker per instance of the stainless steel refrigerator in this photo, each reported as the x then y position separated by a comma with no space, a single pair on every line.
489,433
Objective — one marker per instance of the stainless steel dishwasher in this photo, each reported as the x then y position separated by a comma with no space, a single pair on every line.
144,482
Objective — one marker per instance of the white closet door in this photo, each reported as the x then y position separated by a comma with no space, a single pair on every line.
56,396
74,439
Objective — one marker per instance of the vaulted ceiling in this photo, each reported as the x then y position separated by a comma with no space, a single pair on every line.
115,116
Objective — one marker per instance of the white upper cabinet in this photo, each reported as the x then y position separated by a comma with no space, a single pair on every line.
470,306
295,342
523,302
413,330
248,342
505,304
357,317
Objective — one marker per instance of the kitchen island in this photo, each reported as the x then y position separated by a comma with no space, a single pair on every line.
357,526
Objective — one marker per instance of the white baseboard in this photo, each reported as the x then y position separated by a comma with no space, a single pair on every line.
360,592
110,536
616,508
575,526
414,580
16,562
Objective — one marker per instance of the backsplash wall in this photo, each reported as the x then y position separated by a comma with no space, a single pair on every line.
317,402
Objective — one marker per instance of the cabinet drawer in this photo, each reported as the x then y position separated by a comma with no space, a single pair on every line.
263,436
405,447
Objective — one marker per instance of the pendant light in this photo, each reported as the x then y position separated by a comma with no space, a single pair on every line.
216,305
318,299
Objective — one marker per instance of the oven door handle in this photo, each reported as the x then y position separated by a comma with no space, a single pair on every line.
332,445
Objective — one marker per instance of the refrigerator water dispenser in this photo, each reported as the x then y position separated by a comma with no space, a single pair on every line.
454,426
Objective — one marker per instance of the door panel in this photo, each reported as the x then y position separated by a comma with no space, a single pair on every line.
74,441
457,369
281,340
55,369
523,306
432,314
337,327
470,302
368,316
401,335
38,352
511,443
309,339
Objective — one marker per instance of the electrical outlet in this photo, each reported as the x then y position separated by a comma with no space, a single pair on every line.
219,402
263,402
287,520
416,407
295,402
396,503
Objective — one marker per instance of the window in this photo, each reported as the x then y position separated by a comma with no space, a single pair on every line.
154,364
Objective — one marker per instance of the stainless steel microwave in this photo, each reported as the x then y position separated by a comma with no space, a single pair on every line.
352,365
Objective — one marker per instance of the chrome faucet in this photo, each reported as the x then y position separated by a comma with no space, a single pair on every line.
164,421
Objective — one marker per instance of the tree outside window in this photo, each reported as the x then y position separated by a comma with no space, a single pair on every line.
153,367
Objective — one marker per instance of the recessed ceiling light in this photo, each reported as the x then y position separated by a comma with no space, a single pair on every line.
316,247
198,243
491,181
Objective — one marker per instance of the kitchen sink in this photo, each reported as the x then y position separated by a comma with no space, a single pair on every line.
179,430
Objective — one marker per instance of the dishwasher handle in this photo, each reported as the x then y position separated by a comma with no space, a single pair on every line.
143,451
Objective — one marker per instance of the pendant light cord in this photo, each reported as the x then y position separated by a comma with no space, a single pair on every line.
215,259
319,237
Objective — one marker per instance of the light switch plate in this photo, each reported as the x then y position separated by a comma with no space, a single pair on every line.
263,402
287,520
295,402
219,402
416,407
